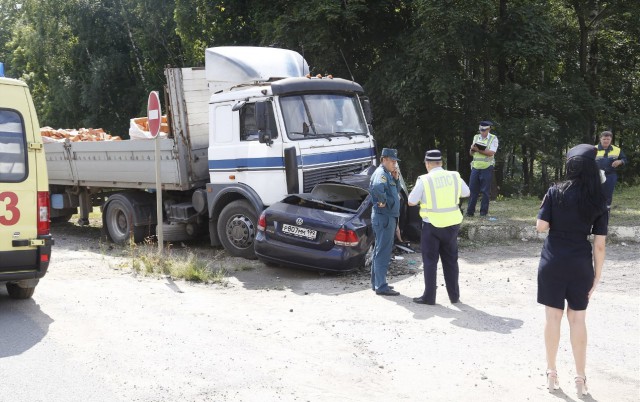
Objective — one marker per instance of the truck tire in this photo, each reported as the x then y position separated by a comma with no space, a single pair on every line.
16,292
119,220
237,227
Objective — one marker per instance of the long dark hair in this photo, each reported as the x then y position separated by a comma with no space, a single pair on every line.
583,183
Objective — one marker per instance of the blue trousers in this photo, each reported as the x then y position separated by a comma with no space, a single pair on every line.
440,243
479,182
384,228
608,187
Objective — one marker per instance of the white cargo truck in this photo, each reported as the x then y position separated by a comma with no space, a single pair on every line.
248,129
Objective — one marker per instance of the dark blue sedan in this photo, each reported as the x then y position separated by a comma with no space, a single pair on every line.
328,229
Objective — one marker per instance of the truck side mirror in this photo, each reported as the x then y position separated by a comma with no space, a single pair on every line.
262,123
264,137
262,117
368,113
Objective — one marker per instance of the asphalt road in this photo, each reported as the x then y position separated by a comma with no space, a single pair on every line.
95,332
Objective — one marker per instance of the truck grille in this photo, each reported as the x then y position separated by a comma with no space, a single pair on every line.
313,177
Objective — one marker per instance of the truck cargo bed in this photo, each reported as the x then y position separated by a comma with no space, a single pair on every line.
118,164
131,163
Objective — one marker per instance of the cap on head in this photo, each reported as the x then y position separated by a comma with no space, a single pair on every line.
583,150
390,153
433,155
485,124
606,134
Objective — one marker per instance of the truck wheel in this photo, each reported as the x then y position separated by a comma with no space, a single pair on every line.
16,292
237,229
119,220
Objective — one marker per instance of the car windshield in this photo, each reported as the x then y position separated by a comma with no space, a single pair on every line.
322,115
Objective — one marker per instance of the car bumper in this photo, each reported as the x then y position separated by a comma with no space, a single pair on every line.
18,265
337,259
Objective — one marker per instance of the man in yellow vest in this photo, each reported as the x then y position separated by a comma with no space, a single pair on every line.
483,149
609,158
438,192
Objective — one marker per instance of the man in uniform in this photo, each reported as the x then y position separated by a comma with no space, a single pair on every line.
438,193
482,151
609,158
384,187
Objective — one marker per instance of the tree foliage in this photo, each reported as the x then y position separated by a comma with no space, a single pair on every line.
549,73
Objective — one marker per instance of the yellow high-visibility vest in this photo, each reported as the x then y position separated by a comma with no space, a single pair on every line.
614,153
481,161
442,191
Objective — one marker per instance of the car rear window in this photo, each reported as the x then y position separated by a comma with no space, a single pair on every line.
13,155
331,197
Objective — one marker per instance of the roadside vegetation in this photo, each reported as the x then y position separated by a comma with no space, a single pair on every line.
188,265
523,210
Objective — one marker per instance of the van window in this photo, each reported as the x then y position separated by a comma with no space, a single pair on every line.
13,157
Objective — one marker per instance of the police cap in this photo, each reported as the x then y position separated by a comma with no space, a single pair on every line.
433,155
390,153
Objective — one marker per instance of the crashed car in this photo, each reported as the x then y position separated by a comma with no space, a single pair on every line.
328,229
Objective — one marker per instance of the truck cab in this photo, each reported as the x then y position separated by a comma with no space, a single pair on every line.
25,241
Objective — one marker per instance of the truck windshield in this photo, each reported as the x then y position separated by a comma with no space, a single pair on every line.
322,115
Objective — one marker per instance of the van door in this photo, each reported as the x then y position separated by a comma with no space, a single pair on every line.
18,179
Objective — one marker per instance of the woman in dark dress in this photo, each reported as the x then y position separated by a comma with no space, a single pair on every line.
571,211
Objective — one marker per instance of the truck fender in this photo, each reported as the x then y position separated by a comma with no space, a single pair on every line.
219,195
143,206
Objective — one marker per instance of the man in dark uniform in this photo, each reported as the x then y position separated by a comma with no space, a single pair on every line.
438,193
609,158
384,218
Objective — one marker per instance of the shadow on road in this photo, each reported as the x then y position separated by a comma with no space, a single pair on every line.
22,325
463,315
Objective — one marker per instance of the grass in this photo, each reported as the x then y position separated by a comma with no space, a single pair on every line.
523,210
146,260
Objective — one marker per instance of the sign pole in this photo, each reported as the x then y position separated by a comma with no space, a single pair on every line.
154,118
159,198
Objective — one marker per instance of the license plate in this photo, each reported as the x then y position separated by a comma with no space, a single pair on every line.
299,232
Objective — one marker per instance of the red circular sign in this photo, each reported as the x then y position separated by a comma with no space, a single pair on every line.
154,113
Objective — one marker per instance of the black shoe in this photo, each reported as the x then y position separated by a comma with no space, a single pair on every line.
388,292
468,215
422,300
455,301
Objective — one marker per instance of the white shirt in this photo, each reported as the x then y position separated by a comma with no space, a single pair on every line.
418,195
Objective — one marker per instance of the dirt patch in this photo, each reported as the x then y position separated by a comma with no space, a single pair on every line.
275,333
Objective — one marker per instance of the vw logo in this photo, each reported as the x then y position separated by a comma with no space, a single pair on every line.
299,221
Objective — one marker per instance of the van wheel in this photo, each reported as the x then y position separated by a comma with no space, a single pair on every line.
119,222
237,227
16,292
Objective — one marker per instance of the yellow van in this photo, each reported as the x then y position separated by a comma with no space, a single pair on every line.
25,241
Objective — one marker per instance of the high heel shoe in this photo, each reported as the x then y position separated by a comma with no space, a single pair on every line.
552,380
581,385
